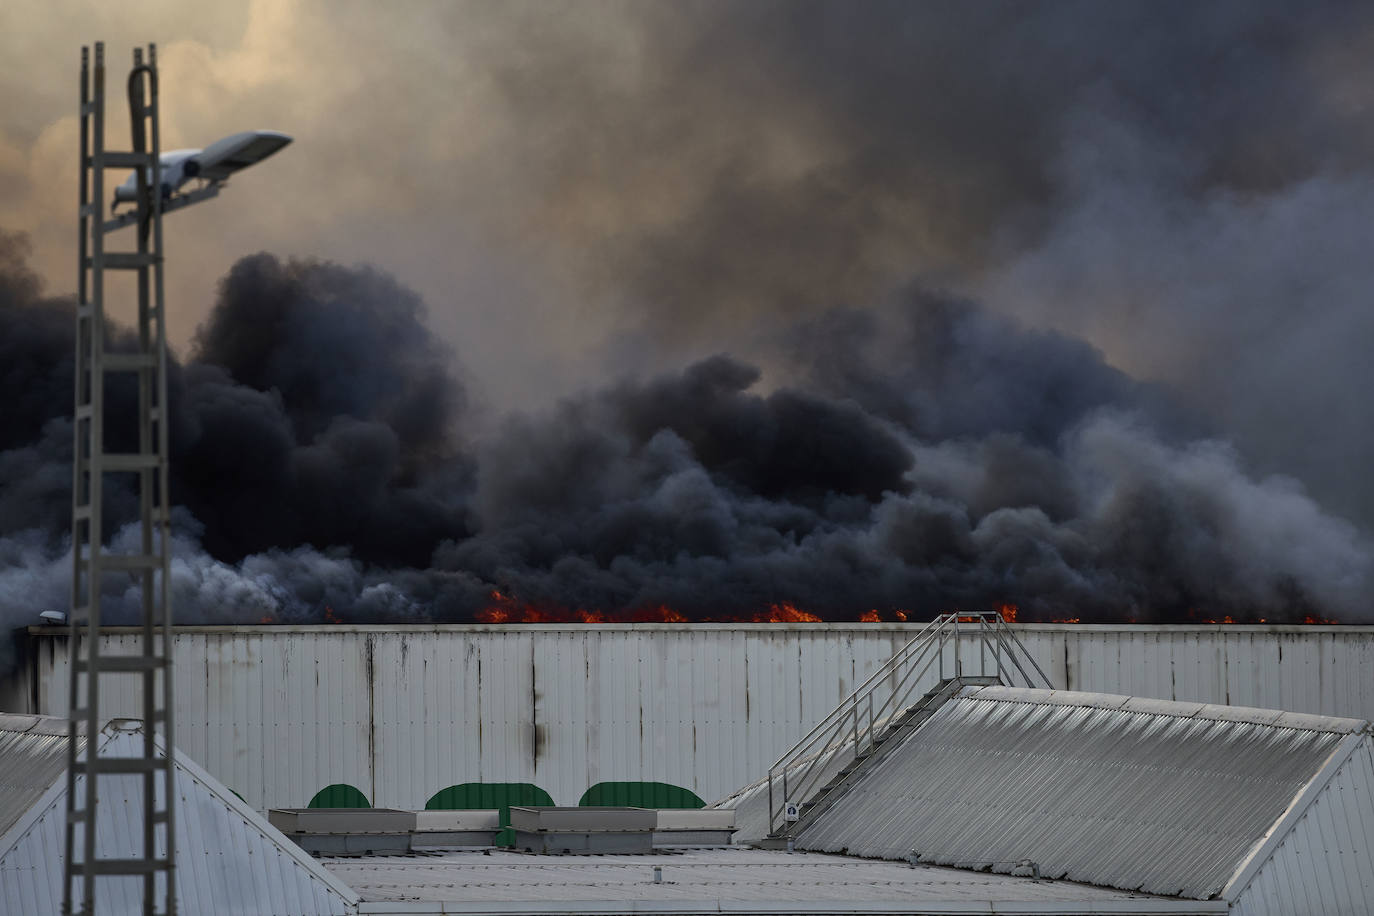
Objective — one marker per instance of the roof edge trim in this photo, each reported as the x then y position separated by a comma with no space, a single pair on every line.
26,724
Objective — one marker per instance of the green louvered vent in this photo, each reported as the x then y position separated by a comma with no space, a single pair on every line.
640,795
490,795
339,795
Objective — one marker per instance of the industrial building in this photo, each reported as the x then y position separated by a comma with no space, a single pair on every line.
401,714
940,789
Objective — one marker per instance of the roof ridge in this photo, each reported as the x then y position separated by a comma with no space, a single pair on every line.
1181,709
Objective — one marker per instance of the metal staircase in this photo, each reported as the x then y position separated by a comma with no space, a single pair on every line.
953,651
148,567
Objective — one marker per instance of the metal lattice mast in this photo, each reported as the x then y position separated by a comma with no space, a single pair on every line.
149,567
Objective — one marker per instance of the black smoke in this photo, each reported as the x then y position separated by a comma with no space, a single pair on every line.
312,436
927,455
936,457
922,306
317,409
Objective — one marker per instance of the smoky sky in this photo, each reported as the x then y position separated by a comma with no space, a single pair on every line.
717,304
805,154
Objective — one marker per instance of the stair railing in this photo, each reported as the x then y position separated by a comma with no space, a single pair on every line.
854,726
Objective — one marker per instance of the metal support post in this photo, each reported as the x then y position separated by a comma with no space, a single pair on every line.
154,858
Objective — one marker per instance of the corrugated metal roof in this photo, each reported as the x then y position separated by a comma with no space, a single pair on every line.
33,753
715,881
1153,795
229,859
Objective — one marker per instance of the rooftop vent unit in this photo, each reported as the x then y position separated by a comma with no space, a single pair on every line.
584,830
384,831
456,828
694,827
346,831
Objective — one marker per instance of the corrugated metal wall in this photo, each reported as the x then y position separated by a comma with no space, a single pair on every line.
278,713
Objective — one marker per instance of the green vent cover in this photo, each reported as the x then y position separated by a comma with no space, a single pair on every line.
491,795
339,795
641,795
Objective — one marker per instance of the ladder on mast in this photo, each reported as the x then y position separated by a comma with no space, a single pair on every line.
97,361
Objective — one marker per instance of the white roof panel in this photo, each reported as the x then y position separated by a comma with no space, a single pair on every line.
33,754
229,860
1158,796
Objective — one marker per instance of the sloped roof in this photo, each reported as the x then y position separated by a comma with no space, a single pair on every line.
229,860
1159,796
33,754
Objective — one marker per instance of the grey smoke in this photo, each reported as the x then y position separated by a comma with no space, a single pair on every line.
1184,185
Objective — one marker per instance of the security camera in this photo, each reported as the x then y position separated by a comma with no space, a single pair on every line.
53,618
215,163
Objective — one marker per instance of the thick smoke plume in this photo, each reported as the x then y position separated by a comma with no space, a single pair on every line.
931,455
877,307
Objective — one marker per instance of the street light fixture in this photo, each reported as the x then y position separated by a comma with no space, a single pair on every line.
211,167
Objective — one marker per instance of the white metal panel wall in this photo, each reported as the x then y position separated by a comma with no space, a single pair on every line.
277,713
1326,862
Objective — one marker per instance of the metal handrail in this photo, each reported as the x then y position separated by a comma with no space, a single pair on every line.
857,722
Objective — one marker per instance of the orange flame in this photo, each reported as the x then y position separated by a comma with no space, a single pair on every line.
785,613
505,609
502,608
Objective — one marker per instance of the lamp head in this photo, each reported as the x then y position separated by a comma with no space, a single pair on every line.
215,163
